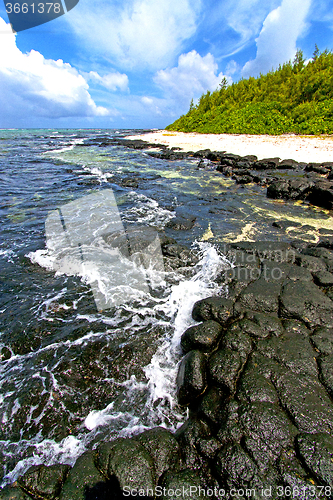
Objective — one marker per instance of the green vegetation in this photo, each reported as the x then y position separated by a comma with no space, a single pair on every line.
297,97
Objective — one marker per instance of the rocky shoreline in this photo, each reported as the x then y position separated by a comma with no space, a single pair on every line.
257,373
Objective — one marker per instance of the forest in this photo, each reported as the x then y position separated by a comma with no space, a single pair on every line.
295,98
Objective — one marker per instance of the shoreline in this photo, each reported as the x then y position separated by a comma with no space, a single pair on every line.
299,148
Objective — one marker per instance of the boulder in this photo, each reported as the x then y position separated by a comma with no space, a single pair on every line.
180,483
213,308
44,482
322,194
261,296
191,378
82,478
323,340
225,367
316,451
203,337
306,302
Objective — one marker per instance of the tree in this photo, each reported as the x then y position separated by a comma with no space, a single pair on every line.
316,53
224,83
298,63
191,105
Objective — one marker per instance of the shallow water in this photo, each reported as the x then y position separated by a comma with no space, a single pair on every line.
76,370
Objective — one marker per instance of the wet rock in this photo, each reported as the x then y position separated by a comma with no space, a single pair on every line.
290,189
270,250
292,326
313,264
306,302
294,475
236,469
130,182
306,401
5,354
243,179
181,482
83,476
213,308
292,351
191,378
44,482
189,435
13,493
317,452
225,367
128,461
326,372
236,340
181,223
285,224
279,272
267,431
163,447
323,340
180,253
255,388
268,324
322,194
323,278
212,404
261,296
288,164
203,337
266,164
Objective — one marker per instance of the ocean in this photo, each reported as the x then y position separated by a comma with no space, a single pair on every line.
89,336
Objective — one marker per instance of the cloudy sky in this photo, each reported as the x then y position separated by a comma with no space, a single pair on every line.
138,63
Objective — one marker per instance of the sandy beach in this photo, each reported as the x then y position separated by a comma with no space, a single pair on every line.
300,148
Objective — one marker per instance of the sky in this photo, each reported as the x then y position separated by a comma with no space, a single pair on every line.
138,63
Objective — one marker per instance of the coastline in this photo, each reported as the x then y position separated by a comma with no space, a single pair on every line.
289,146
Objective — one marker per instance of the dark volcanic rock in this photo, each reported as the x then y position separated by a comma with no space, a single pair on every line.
44,482
306,302
182,481
162,447
82,477
317,452
128,461
203,337
215,308
191,378
323,340
13,493
225,367
322,194
290,189
261,296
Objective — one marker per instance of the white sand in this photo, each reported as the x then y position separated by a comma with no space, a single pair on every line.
300,148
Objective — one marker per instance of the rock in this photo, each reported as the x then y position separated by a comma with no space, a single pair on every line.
294,476
163,447
306,302
255,388
189,436
322,194
326,371
203,337
323,340
292,351
225,367
212,404
285,224
290,189
82,477
128,461
275,272
44,482
236,340
236,469
316,451
323,278
130,182
267,431
313,264
266,164
181,223
288,164
213,308
261,296
191,378
269,325
306,401
13,493
183,255
270,250
180,483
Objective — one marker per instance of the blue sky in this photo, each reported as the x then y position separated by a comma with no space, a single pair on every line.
138,63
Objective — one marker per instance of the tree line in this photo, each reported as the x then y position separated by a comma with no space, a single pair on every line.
295,98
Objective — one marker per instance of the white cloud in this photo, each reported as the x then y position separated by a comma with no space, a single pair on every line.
136,33
193,76
31,85
276,43
111,81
